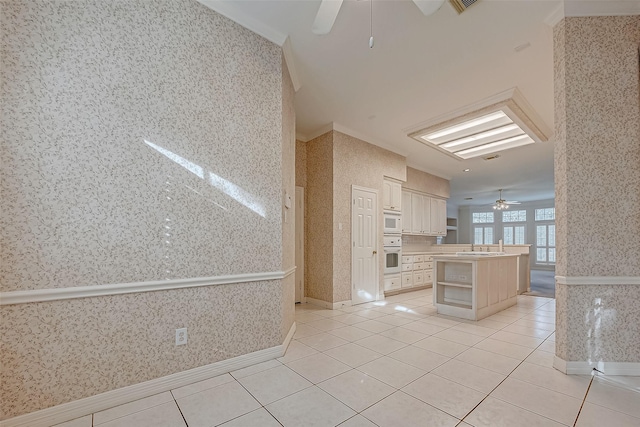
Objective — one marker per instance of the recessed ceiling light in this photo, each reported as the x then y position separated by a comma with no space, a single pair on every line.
466,170
499,123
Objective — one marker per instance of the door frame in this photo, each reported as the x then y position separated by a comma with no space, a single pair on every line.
377,240
299,234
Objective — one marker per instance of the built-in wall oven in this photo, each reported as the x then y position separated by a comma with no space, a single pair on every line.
392,254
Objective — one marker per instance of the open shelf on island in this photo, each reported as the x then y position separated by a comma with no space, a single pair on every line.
456,284
474,287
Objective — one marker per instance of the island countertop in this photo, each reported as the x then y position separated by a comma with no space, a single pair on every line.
472,257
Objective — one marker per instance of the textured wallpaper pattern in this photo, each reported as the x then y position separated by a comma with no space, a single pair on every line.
597,153
57,352
288,187
356,162
122,166
427,183
319,201
142,140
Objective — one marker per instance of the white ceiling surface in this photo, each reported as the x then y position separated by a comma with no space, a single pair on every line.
421,67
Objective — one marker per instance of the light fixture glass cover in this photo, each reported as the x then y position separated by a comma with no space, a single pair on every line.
498,123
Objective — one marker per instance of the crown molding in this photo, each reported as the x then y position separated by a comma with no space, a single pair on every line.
227,9
556,16
290,60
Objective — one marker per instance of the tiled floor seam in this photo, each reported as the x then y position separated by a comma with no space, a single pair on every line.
494,389
179,408
584,399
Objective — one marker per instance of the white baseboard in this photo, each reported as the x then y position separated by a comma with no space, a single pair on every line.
89,405
327,304
586,368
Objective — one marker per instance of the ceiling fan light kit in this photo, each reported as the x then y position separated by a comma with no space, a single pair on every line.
502,204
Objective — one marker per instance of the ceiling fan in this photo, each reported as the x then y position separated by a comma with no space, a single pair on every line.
502,204
329,9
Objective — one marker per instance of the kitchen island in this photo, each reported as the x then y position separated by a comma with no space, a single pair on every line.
474,285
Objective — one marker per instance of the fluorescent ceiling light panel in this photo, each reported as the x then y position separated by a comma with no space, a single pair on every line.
479,136
502,121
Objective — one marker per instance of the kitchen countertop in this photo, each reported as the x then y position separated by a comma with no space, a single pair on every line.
471,257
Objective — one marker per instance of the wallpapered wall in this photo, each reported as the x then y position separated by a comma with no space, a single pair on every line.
319,219
288,188
597,153
356,162
427,183
142,140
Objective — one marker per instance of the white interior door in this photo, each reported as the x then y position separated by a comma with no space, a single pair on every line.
364,237
299,244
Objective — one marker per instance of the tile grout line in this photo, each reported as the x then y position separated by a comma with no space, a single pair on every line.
179,409
583,400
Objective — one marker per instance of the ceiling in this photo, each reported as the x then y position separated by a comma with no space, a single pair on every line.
421,68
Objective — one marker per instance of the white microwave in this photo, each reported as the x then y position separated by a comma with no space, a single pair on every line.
392,223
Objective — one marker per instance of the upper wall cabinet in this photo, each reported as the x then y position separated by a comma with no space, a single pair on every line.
438,217
391,195
423,214
406,212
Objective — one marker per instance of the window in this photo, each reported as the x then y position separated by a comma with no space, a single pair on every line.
545,236
483,235
546,214
482,217
513,235
546,244
514,216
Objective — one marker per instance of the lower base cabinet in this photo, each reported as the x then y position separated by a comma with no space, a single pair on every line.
392,283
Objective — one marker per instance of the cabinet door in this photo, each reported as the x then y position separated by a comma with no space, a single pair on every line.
426,215
396,196
442,217
417,213
406,212
438,217
386,194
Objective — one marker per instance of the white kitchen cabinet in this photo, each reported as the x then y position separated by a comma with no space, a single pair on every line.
391,195
420,214
438,217
407,280
406,212
392,283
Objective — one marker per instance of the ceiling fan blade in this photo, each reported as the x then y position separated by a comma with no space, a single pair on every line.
513,202
326,16
429,7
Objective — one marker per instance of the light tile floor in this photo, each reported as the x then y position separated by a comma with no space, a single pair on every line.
397,363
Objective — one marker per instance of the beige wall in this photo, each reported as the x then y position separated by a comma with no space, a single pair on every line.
86,201
301,163
319,224
597,153
427,183
334,163
356,162
288,188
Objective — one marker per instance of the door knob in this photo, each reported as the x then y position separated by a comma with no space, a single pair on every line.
375,252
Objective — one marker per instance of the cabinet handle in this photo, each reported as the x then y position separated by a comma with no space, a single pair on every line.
375,252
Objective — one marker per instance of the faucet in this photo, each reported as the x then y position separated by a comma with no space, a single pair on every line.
472,247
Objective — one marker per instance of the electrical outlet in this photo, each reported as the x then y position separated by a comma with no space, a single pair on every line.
181,336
